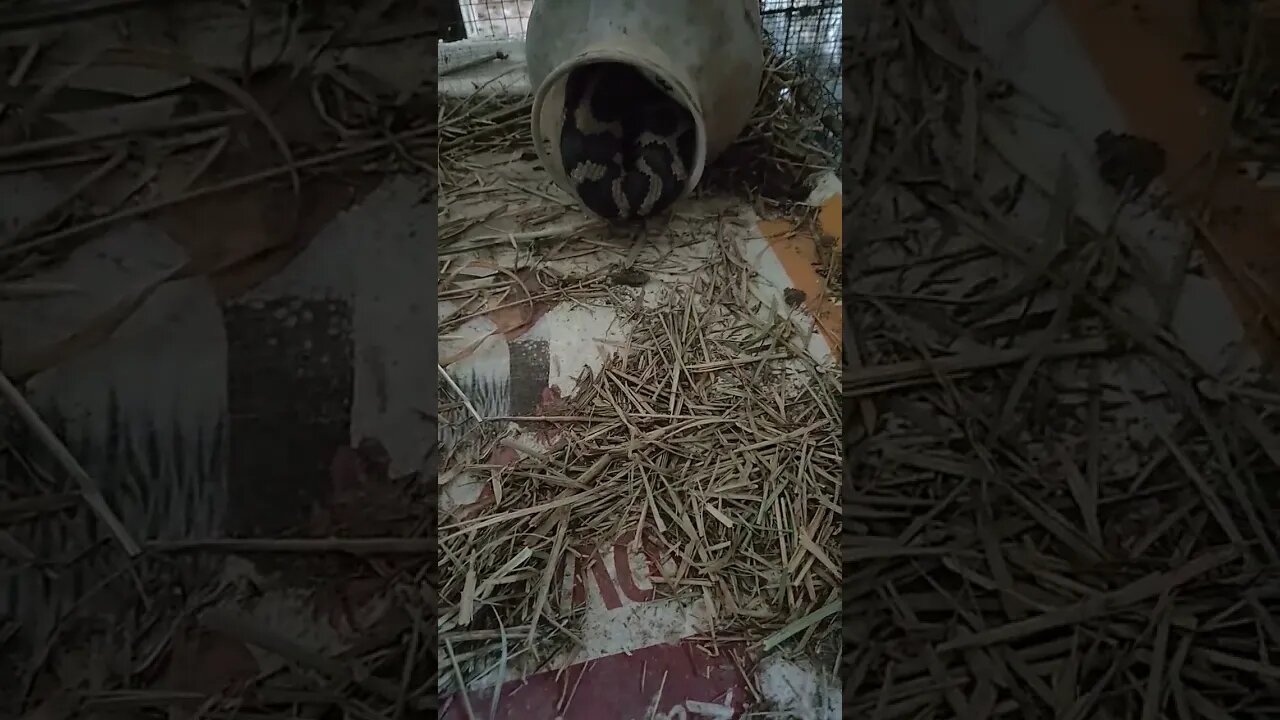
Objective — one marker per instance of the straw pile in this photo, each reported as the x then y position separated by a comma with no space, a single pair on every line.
787,141
708,439
1241,66
125,613
374,133
1052,509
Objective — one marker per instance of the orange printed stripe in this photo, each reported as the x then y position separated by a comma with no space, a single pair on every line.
797,252
1139,50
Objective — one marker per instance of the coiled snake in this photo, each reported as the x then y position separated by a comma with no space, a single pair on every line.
626,145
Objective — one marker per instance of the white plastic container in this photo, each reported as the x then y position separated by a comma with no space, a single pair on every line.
709,52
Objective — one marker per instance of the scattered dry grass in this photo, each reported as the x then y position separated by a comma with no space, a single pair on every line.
709,440
1051,508
117,613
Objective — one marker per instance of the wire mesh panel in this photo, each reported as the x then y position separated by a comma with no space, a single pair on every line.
808,30
496,18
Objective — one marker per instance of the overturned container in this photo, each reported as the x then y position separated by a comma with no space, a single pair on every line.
706,54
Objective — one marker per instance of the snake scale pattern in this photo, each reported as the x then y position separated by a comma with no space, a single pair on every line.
626,144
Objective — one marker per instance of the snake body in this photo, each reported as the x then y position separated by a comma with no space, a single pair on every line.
625,144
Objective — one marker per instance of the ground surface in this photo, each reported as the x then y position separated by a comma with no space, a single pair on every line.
1059,472
569,307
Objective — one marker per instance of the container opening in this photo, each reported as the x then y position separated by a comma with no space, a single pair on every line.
628,142
645,105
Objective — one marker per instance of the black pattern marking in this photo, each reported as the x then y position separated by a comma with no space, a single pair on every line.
289,391
530,372
625,143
